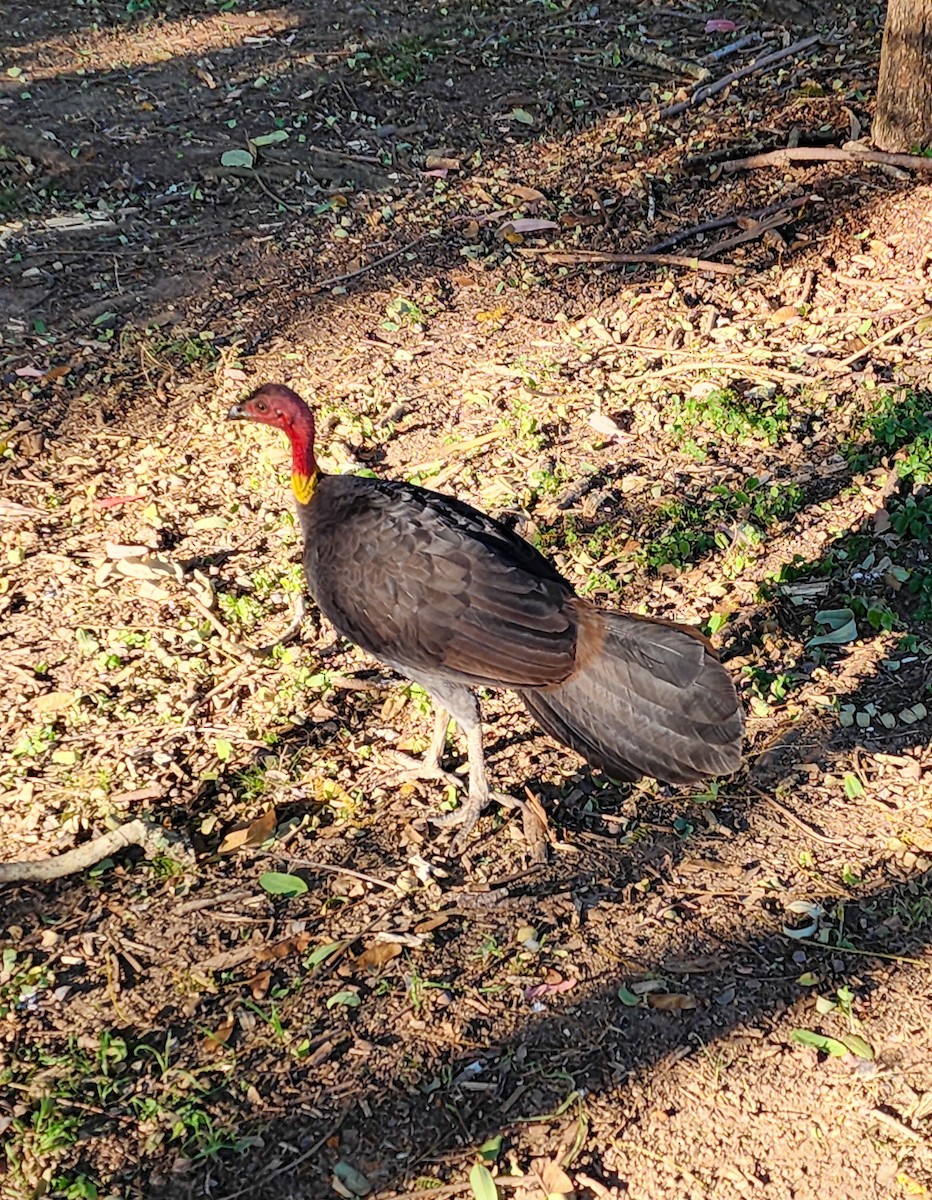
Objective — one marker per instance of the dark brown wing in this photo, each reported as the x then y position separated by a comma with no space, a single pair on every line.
425,582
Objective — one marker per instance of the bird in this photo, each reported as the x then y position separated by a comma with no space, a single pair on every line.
455,601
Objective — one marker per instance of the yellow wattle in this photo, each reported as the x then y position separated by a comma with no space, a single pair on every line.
303,486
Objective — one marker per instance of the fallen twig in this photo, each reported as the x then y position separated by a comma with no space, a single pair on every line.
253,175
376,262
844,363
790,154
881,954
137,832
193,906
756,214
894,1123
759,64
222,686
666,62
735,366
457,450
749,39
311,864
750,235
561,258
790,816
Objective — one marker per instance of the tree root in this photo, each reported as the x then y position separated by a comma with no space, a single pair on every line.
138,832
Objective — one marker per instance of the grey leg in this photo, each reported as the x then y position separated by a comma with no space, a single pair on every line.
429,767
438,739
460,702
477,797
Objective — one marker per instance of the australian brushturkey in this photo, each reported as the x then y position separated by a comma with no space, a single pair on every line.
455,600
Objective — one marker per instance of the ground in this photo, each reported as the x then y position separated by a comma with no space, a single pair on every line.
718,992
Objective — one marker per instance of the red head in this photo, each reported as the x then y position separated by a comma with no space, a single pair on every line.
277,405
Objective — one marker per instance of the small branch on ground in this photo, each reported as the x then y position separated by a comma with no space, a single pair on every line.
756,214
750,235
310,864
666,62
559,258
760,64
224,684
138,832
254,175
743,43
334,280
815,154
790,816
844,363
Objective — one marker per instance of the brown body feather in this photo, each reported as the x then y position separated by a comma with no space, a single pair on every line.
452,598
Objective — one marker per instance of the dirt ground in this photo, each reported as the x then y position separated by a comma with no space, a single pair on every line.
701,993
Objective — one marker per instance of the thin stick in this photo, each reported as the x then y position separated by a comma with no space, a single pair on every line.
750,235
900,958
226,639
567,259
759,64
300,612
455,450
723,222
222,686
749,39
378,262
790,816
312,865
293,1163
134,833
790,154
715,364
192,906
887,337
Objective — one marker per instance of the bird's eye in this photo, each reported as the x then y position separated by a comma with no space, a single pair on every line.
261,406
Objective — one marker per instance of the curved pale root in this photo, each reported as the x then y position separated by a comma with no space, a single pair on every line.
137,832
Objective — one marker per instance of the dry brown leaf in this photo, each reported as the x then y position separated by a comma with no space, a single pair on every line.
671,1001
293,945
555,1180
235,840
117,550
527,225
259,984
253,834
440,162
219,1038
377,955
431,923
150,591
524,193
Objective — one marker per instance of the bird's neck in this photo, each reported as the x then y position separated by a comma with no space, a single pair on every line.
304,470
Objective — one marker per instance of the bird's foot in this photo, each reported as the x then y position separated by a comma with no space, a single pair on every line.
419,768
467,815
464,819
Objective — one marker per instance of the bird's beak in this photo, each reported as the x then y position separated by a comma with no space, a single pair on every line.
236,413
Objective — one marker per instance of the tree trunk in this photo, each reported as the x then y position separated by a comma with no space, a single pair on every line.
903,120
